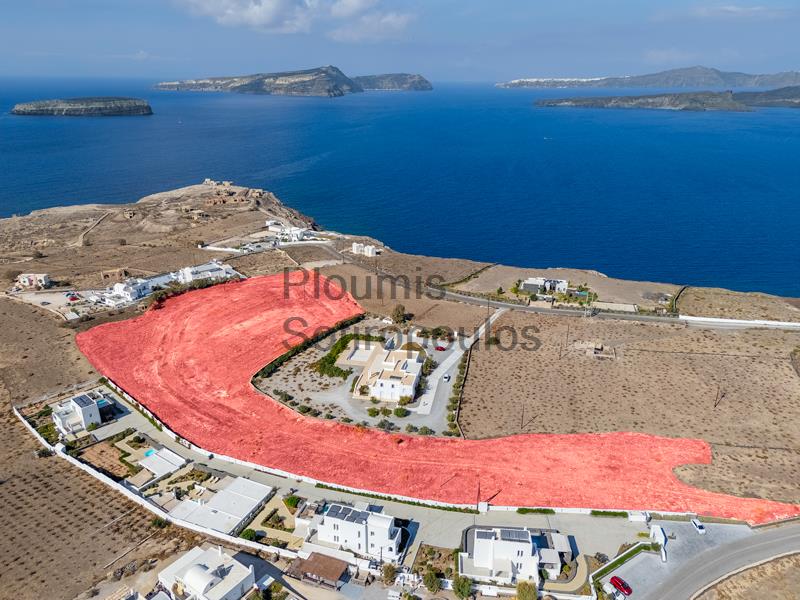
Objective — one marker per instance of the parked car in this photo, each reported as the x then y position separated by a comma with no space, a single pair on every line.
45,303
698,526
446,377
440,348
621,585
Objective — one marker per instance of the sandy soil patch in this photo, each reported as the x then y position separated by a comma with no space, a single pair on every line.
261,263
417,268
734,388
380,296
781,577
191,363
715,302
105,457
608,289
37,355
311,253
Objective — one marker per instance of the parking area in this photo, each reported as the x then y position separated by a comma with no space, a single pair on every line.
646,572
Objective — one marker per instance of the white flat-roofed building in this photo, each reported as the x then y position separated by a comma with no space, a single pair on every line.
390,374
209,270
229,509
370,251
207,575
542,285
358,248
363,529
162,462
76,414
33,280
506,555
131,289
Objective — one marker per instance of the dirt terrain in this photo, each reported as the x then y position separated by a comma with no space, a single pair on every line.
645,294
781,577
715,302
156,234
736,390
381,298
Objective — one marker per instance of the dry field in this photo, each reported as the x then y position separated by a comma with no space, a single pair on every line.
105,457
781,577
261,263
714,302
382,298
311,253
420,269
736,390
643,293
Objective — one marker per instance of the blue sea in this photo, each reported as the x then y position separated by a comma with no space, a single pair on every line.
467,170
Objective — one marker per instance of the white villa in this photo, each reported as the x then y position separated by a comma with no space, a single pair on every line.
229,509
207,575
389,374
542,285
508,555
504,555
79,413
288,233
362,529
367,250
136,288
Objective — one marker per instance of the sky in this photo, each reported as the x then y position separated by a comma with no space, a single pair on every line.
445,40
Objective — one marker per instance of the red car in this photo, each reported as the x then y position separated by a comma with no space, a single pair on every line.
440,348
621,585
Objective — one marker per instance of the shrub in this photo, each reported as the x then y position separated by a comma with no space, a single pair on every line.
533,511
386,412
425,430
363,389
385,424
389,573
159,523
432,582
411,428
292,502
401,412
346,420
398,313
372,411
249,534
304,409
526,591
405,400
462,587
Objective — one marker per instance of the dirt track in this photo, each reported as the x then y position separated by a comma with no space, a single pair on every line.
191,363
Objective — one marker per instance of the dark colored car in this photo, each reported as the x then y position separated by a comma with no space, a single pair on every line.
621,585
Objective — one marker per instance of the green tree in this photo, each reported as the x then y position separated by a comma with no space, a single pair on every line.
249,534
526,591
432,582
462,587
401,412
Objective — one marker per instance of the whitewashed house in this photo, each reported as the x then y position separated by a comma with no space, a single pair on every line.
33,280
363,529
390,374
207,575
542,285
358,248
78,414
506,555
210,270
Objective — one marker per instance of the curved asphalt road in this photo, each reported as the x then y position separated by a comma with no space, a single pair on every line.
718,562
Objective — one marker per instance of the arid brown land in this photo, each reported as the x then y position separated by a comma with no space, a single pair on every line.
778,579
734,389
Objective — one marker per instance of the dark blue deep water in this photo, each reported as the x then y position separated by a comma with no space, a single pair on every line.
466,171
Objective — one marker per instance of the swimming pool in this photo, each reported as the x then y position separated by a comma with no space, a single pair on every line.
149,452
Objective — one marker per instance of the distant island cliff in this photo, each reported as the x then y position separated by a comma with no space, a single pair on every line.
690,77
85,107
788,97
328,81
394,81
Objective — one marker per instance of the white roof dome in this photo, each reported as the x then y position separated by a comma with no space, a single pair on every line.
199,580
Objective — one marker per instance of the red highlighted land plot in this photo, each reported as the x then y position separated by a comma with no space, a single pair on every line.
191,363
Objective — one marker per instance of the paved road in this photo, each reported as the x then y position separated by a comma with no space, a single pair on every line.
718,562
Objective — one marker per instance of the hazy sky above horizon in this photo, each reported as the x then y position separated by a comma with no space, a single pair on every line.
446,40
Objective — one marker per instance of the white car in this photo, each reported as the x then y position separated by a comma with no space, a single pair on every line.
446,377
698,526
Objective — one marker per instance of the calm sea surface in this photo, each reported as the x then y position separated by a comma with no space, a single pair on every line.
466,171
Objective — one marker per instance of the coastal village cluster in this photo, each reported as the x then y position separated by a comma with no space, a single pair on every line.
269,534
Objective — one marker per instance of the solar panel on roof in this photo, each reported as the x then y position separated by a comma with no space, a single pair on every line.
514,535
484,535
83,401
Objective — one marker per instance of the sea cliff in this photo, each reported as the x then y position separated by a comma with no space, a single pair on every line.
85,107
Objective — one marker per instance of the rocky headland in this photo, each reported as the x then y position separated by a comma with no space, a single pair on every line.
406,82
